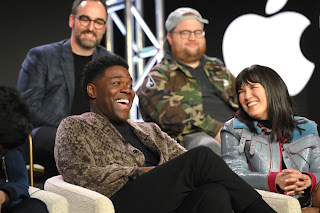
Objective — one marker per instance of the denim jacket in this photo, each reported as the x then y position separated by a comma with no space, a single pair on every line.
13,178
258,160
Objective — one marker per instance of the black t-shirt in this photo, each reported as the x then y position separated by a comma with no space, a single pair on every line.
80,102
152,158
213,105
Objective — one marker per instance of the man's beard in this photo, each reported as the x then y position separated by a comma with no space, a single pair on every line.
191,56
87,44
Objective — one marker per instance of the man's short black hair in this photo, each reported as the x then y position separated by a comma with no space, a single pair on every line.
96,68
15,122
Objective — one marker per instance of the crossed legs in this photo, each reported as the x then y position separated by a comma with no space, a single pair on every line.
198,178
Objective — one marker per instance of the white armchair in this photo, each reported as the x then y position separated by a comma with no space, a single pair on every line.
281,203
80,200
55,203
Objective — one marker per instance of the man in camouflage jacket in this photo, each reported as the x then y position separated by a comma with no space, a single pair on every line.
171,95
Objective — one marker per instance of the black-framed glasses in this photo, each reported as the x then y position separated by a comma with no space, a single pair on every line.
185,34
85,21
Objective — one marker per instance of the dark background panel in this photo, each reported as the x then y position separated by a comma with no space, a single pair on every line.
26,24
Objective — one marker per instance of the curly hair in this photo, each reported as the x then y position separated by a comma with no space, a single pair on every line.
96,68
15,125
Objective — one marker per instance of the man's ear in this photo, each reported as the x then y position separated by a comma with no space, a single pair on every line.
91,90
71,20
169,38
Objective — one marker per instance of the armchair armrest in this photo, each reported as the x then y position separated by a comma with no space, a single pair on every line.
80,199
281,203
55,203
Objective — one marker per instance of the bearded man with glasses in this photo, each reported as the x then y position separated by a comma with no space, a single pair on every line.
49,79
188,94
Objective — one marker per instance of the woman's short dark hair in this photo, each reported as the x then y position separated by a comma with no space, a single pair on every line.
76,4
281,111
15,122
96,68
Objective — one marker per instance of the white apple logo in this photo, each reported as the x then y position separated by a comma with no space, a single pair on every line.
270,41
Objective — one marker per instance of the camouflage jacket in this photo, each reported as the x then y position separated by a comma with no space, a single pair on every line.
171,97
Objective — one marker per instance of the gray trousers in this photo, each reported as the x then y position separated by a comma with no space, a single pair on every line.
201,139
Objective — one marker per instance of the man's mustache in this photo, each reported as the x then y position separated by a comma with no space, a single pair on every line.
89,31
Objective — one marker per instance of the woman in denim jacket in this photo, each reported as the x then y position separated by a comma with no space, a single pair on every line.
267,144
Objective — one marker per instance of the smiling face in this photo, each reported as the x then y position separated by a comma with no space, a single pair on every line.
112,94
87,38
189,50
253,99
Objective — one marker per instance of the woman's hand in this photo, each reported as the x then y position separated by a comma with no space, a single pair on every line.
293,181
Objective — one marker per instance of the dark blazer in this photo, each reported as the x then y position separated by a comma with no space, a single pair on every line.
46,81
